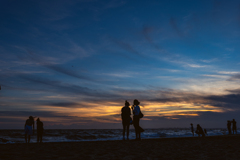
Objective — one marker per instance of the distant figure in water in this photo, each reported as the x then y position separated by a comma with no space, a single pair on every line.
234,126
29,129
199,131
229,127
136,118
126,113
192,129
39,130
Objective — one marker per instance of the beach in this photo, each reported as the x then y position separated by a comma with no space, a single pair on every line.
212,147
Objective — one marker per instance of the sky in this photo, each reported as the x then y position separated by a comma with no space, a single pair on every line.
74,63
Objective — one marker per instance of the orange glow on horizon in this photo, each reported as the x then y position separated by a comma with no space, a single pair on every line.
111,112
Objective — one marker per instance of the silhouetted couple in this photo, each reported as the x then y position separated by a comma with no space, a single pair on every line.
234,126
127,120
200,131
29,129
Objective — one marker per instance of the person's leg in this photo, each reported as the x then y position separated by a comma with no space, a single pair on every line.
29,138
38,136
124,130
127,132
41,137
138,130
26,138
135,126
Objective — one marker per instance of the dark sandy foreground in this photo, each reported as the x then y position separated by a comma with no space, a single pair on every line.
218,147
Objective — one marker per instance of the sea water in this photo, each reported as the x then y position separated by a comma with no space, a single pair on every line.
75,135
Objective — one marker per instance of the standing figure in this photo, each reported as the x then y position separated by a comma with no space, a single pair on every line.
126,113
234,126
199,131
229,127
39,130
29,129
192,129
136,119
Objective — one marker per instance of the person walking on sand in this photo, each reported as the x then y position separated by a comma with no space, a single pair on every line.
29,128
137,114
39,130
229,127
199,131
192,129
126,113
234,126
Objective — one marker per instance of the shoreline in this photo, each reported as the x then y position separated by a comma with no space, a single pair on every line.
211,147
94,140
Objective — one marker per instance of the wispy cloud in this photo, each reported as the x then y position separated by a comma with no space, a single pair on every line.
228,72
234,77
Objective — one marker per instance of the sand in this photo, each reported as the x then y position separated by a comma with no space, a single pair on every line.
216,147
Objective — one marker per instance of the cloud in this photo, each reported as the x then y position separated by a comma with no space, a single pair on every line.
195,65
175,26
65,104
216,76
228,72
234,77
66,72
126,46
50,63
146,33
228,101
57,86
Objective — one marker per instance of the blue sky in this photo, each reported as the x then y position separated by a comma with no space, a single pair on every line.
74,63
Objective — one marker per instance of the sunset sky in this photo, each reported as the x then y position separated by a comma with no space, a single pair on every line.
74,63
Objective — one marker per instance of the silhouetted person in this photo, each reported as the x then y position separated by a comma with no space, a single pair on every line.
39,130
126,113
234,126
192,129
136,119
199,131
29,129
229,127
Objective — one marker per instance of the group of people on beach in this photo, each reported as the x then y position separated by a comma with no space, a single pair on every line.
232,126
29,129
127,119
199,130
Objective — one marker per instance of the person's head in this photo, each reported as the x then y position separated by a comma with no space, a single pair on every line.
38,119
31,117
136,102
191,124
127,103
233,119
198,125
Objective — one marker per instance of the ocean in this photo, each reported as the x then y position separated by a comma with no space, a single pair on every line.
75,135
